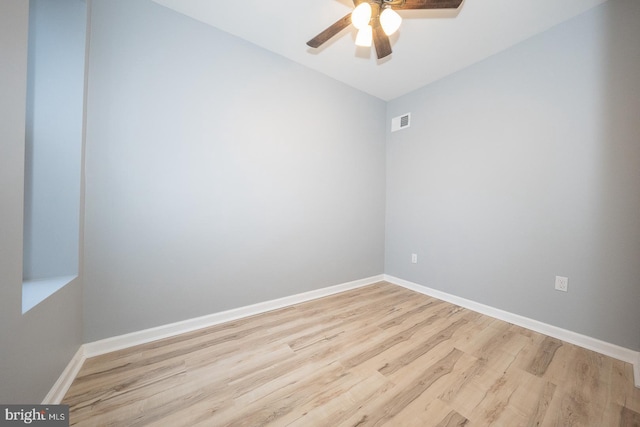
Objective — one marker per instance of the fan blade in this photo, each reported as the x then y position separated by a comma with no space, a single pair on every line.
381,42
334,29
428,4
380,39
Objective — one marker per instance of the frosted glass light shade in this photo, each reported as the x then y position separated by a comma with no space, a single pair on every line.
365,36
390,21
361,15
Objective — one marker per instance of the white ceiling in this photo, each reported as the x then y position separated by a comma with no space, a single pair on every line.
429,45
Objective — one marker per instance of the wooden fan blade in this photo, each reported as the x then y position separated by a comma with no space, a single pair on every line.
331,31
428,4
381,42
380,39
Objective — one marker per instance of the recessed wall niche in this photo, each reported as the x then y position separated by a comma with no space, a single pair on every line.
53,146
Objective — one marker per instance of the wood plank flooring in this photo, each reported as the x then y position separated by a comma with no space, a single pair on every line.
378,355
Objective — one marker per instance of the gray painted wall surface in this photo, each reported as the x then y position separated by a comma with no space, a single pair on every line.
218,174
53,163
35,347
527,166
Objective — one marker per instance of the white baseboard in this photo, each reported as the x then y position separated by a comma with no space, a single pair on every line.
602,347
147,335
60,388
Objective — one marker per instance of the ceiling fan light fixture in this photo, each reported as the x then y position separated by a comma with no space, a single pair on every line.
361,15
365,36
390,21
381,16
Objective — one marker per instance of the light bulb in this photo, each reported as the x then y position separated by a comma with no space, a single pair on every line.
390,21
365,36
361,15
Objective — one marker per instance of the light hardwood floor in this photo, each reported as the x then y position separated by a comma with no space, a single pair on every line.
377,355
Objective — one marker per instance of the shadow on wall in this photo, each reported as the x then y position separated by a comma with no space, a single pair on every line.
617,220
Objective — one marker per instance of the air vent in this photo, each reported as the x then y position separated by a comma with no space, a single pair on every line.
401,122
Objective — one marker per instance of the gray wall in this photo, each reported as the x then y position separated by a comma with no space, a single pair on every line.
527,166
53,160
35,347
218,174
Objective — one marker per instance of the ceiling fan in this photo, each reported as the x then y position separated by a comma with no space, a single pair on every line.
376,20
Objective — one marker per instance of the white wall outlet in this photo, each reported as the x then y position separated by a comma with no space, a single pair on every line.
562,283
414,258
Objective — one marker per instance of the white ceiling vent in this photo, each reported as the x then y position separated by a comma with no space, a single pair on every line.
401,122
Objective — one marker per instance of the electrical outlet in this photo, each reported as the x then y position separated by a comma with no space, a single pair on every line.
414,258
562,283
